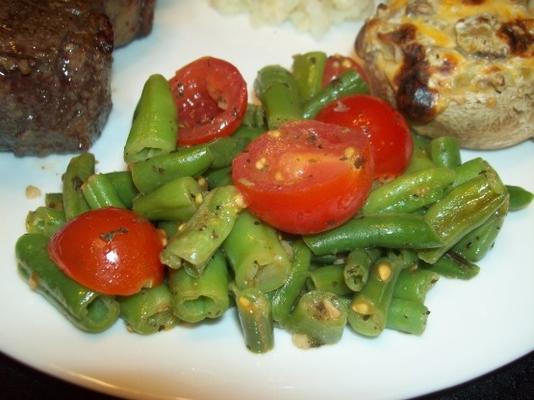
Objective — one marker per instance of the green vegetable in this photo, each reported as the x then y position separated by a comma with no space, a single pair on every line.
254,311
350,82
388,230
308,70
256,254
196,298
80,168
204,233
176,200
278,92
155,122
87,310
148,311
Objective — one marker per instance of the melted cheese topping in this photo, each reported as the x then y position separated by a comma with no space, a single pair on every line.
453,72
505,10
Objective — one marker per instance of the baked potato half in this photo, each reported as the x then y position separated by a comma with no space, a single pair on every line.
463,68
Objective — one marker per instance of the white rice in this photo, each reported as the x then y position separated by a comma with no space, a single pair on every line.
315,16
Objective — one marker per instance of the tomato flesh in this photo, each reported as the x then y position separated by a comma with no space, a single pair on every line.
211,100
305,177
337,64
388,132
110,250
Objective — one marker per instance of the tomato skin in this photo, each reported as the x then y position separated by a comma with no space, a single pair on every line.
109,250
301,179
337,64
211,100
388,132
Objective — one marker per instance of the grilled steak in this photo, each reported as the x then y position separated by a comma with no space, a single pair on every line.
55,69
131,19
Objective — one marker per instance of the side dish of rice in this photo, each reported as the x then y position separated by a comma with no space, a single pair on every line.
315,16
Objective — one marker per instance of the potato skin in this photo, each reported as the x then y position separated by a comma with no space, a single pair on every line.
481,92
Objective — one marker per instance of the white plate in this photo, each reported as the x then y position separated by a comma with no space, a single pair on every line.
475,326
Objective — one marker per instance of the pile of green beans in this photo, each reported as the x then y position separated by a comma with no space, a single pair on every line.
438,219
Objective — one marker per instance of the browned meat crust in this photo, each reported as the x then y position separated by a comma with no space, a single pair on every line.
55,69
131,19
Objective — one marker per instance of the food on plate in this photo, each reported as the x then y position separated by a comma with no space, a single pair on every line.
131,19
384,126
121,251
305,176
55,68
211,99
282,218
55,72
455,68
315,16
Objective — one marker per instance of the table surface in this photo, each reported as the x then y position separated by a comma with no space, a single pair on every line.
513,381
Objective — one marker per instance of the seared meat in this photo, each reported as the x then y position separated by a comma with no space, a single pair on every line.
55,69
131,19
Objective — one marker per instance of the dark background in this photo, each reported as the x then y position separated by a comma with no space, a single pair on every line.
513,381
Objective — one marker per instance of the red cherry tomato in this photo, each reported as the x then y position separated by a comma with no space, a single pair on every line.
211,99
391,142
337,64
109,250
305,177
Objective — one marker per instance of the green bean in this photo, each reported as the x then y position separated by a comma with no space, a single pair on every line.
169,227
476,244
350,82
284,298
155,122
445,152
370,307
254,117
123,184
414,283
356,269
256,254
388,230
87,310
99,192
54,200
202,235
453,265
278,92
471,169
420,158
45,220
225,149
330,278
148,311
407,316
519,197
319,318
409,192
219,177
176,200
463,209
327,259
195,298
254,311
188,161
308,70
79,169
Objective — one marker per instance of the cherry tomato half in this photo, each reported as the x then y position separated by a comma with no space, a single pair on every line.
391,142
109,250
211,100
337,64
305,177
